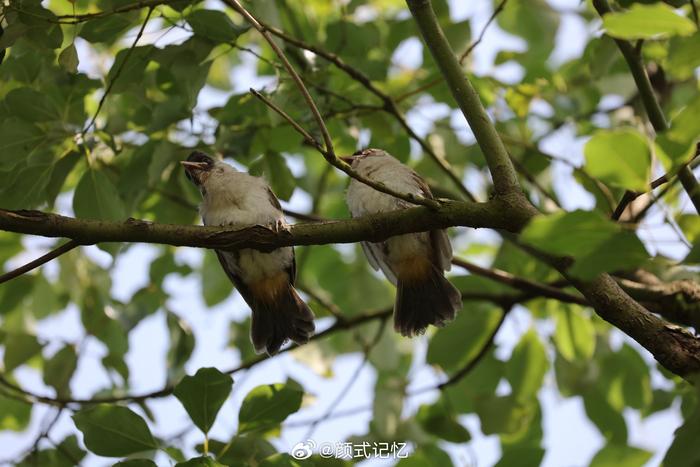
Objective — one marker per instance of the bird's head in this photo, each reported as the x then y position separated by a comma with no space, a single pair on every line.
362,154
198,167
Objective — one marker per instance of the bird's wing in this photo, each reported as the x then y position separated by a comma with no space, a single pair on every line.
442,249
273,199
440,242
375,256
237,281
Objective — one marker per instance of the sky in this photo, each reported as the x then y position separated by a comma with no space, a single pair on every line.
569,438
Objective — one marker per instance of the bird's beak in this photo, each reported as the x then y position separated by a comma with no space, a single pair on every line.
191,166
195,171
347,159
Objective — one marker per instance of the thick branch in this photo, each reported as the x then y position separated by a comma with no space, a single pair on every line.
492,214
672,346
502,171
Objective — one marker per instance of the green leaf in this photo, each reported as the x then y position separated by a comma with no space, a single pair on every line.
676,145
66,454
130,66
280,459
281,179
59,369
59,174
453,346
203,461
18,139
620,455
244,451
576,233
529,455
620,158
32,105
203,394
136,463
684,450
214,25
609,421
575,334
537,23
68,58
106,28
426,455
181,345
113,431
527,366
622,251
27,189
683,56
647,22
504,415
14,414
19,347
96,197
267,406
438,420
42,25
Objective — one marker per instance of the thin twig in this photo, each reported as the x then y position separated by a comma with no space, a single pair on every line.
462,58
534,182
496,11
351,381
327,151
525,285
456,377
327,139
55,253
307,136
466,369
630,196
118,72
389,105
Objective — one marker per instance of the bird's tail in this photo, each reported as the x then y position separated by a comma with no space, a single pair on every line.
279,314
423,297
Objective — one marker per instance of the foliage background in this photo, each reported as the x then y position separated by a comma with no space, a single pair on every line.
118,320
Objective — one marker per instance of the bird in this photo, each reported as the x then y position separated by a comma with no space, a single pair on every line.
414,263
265,280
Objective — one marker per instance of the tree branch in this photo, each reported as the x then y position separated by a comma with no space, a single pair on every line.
526,285
672,346
378,227
55,253
502,171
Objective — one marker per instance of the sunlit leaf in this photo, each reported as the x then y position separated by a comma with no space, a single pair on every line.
619,158
646,22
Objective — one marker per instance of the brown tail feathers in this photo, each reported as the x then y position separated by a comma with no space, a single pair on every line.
279,317
424,299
